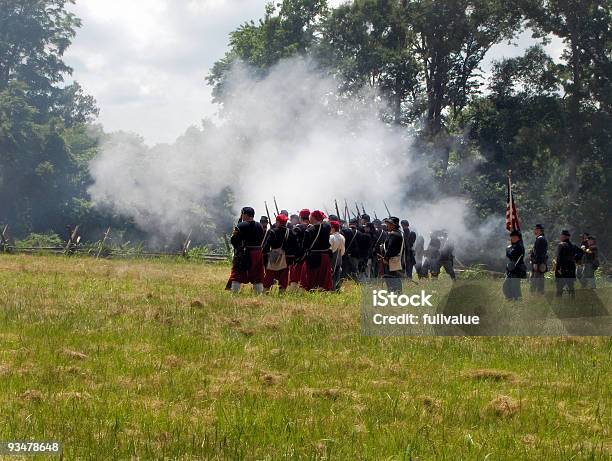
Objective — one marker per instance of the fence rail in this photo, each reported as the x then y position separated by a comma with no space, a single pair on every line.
114,253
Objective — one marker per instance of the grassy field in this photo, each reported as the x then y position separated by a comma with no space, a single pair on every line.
154,360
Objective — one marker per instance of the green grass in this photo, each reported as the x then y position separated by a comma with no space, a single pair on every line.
154,360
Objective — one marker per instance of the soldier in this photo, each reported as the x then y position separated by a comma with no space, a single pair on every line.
294,220
279,243
538,257
380,237
350,235
392,255
295,269
264,222
432,256
353,248
409,241
447,256
370,231
565,265
590,262
364,247
515,268
580,251
317,270
337,244
419,250
247,265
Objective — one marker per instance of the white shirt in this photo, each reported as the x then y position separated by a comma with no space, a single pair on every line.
337,243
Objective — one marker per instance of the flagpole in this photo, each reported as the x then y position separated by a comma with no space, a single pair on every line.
511,195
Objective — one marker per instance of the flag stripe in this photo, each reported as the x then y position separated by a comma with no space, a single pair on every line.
512,220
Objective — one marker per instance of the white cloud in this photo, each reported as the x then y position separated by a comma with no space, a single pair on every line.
145,61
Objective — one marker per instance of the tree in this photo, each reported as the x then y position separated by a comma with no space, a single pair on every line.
287,29
451,40
368,42
586,29
39,166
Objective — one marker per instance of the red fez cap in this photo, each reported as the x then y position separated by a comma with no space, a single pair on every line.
335,225
305,213
318,215
282,219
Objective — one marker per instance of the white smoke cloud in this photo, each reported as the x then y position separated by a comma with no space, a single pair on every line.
288,135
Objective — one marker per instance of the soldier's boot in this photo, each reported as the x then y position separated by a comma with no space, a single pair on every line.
235,287
293,286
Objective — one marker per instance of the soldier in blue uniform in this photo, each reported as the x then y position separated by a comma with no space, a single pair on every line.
538,257
392,255
565,265
515,268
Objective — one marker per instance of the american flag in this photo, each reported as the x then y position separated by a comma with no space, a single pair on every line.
512,220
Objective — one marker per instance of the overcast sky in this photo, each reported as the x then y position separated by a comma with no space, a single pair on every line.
145,61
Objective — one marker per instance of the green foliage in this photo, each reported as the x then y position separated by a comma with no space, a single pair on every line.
40,241
198,253
46,141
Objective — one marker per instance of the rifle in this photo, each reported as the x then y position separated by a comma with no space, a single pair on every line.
388,212
375,217
358,212
276,206
363,208
347,215
268,213
337,209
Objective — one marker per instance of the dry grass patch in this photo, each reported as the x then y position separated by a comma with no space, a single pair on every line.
530,440
5,370
74,354
503,406
431,403
32,395
272,379
331,393
65,396
489,374
172,361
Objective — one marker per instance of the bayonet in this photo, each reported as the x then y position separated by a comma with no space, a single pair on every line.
268,213
387,208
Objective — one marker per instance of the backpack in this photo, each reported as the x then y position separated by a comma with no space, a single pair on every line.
277,260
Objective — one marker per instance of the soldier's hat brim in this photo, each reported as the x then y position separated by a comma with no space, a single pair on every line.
392,220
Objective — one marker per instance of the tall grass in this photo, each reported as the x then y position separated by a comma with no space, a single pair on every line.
154,360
